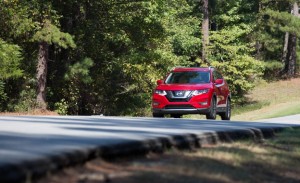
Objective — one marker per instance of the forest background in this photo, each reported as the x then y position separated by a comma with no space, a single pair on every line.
83,57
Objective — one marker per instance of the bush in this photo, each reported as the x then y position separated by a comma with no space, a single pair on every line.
27,101
3,95
230,53
272,69
241,73
61,107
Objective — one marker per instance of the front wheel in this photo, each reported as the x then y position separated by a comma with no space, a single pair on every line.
157,115
212,110
176,115
226,115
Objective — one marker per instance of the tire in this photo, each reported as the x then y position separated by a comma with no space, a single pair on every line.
176,115
227,114
157,115
213,109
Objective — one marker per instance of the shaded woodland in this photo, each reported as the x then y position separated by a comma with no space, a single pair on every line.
83,57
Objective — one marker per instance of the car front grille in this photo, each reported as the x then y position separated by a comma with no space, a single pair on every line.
172,97
179,107
178,99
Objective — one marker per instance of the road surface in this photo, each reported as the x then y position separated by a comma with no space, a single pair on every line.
31,146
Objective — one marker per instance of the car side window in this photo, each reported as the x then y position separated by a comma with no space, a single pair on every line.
217,75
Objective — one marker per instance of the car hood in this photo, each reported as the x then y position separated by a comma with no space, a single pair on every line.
183,87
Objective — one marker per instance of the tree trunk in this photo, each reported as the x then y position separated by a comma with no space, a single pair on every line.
291,56
42,74
285,47
258,45
290,64
205,30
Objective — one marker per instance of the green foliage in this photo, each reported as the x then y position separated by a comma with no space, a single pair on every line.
130,48
283,21
272,69
15,20
298,61
77,80
26,101
106,55
241,73
161,33
79,72
10,57
3,95
52,35
61,107
273,21
231,49
184,31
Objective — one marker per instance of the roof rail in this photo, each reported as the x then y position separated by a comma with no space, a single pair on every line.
176,67
209,67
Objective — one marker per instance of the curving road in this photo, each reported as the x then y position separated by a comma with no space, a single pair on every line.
31,146
293,119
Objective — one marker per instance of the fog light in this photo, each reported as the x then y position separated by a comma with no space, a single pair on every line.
203,103
155,103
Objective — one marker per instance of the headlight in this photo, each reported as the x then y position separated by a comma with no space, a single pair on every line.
199,92
160,92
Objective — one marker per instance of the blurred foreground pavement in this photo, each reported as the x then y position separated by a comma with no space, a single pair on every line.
32,146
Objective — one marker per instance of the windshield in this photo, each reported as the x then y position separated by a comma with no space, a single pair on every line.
191,77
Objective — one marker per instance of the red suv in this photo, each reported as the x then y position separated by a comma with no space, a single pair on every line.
187,90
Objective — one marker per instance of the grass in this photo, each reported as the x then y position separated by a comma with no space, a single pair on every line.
274,160
285,109
268,100
249,106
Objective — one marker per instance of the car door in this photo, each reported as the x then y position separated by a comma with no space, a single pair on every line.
220,89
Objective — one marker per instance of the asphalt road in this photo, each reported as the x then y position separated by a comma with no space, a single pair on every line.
293,119
31,146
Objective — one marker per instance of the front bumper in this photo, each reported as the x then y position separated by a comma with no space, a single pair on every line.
195,105
181,111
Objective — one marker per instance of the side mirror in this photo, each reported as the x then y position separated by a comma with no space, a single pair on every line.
159,82
219,81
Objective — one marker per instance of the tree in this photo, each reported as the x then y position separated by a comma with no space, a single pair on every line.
278,30
124,46
10,57
232,47
31,23
205,30
289,69
47,33
129,44
10,53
